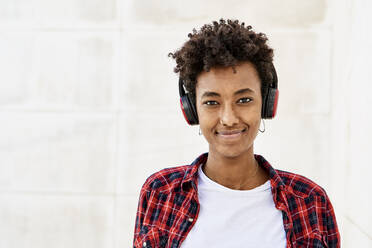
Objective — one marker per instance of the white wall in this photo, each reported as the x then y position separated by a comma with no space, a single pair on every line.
352,120
89,109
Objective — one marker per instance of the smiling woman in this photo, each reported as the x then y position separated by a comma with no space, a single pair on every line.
230,197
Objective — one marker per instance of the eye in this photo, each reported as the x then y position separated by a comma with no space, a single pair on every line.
209,103
244,100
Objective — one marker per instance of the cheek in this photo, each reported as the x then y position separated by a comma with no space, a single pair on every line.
251,116
207,121
255,128
254,125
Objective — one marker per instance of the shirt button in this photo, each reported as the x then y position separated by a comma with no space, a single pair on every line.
144,244
191,219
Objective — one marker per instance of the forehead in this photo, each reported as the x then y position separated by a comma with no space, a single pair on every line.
224,80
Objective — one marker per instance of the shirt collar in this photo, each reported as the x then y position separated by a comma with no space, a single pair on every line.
191,173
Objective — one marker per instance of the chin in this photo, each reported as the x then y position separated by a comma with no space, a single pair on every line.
231,152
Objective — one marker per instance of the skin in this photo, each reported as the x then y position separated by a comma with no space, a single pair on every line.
229,111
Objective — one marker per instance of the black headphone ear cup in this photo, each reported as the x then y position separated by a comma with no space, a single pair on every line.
270,104
263,108
188,110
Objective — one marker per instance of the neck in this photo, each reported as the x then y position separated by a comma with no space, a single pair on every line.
236,172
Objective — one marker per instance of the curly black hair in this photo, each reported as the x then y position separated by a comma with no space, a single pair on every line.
223,43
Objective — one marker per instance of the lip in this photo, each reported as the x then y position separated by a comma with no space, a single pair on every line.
230,134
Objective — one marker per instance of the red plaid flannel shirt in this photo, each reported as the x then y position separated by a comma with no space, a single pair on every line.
168,208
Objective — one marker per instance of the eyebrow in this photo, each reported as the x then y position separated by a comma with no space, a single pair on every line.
241,91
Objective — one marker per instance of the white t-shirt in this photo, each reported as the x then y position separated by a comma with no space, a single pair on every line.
235,218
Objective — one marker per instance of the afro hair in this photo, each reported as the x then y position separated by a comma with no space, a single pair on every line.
223,43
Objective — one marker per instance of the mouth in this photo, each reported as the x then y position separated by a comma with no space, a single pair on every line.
230,134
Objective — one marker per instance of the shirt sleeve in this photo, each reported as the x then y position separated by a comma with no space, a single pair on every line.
333,235
141,211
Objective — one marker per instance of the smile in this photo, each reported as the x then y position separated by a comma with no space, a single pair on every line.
230,134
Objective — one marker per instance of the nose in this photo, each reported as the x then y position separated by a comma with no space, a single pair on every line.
228,116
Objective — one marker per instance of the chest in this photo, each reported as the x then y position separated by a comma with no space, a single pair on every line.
237,220
174,218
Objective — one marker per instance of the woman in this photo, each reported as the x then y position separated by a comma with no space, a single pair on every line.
230,197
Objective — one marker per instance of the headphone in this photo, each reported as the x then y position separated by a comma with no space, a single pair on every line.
269,101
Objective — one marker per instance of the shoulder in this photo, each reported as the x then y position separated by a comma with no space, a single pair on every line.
172,178
310,208
301,186
298,185
165,179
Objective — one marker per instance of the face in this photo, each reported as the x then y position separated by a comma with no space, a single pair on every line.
229,108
